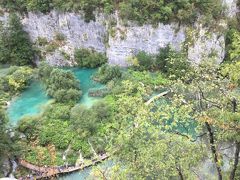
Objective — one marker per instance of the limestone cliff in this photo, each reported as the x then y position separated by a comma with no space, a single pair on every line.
120,42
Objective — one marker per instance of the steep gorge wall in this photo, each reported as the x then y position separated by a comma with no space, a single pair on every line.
122,42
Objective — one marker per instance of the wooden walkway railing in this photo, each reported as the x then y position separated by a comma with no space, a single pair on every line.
47,172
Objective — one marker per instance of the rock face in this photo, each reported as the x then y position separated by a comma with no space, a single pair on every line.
123,42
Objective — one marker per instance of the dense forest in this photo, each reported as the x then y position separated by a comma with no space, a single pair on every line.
162,117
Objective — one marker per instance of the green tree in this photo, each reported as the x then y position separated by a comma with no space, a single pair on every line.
15,44
141,141
60,84
214,102
107,73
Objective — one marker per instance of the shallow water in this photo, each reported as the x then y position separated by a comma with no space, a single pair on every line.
34,97
28,103
86,83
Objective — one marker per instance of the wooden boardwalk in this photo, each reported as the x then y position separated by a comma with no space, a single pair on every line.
47,172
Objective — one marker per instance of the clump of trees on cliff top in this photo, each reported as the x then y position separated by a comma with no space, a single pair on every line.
142,11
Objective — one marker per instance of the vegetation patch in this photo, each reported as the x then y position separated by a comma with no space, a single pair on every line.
89,58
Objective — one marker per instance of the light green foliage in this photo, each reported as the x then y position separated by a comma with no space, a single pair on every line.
89,58
107,73
234,51
58,111
157,154
56,132
232,70
147,78
43,156
19,78
215,103
15,46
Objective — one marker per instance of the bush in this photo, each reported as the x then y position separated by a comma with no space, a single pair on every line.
58,111
18,78
63,86
55,132
107,73
147,78
145,61
89,58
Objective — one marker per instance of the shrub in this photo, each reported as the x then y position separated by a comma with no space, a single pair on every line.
145,61
63,86
58,111
59,37
107,73
147,78
19,78
89,58
55,132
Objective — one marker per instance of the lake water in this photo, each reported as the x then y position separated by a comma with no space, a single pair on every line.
34,97
28,102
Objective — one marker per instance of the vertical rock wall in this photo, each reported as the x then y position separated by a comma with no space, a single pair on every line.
123,42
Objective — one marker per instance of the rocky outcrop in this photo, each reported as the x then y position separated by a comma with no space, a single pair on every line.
120,42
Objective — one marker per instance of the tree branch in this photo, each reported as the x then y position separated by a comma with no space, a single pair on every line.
156,97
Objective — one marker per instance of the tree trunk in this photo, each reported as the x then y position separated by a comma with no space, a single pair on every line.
180,173
236,160
214,151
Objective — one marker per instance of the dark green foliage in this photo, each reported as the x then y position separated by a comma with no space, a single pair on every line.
89,58
15,46
107,73
63,86
14,5
83,120
173,64
87,120
145,61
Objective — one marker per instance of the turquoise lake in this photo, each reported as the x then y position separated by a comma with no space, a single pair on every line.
31,101
27,103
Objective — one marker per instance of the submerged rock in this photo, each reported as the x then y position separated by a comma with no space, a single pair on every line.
98,92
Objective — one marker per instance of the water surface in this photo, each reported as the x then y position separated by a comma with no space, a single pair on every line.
29,102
